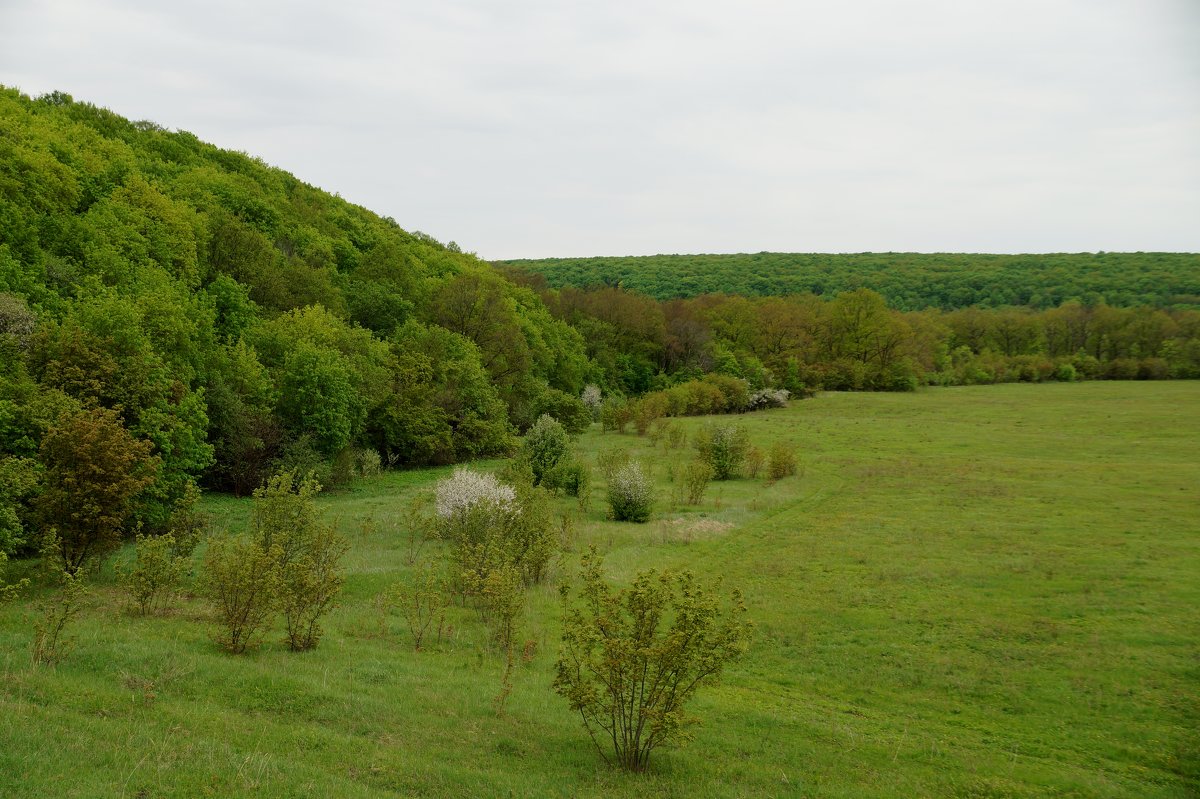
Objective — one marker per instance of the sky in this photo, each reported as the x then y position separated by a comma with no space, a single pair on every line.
540,128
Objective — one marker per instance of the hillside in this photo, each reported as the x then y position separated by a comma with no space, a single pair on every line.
242,320
908,281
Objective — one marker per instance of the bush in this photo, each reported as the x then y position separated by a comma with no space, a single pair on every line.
696,476
632,659
50,641
242,581
570,411
629,493
570,477
490,524
754,461
781,461
545,445
723,447
421,602
285,520
609,461
648,410
768,398
735,392
615,414
9,591
592,399
155,572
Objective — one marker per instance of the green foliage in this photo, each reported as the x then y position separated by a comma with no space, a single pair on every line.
9,591
723,448
546,444
18,479
155,573
781,461
907,280
241,581
571,476
754,461
422,601
610,461
630,493
632,659
51,641
285,521
696,476
94,470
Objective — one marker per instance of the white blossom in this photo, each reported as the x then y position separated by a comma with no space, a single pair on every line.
467,489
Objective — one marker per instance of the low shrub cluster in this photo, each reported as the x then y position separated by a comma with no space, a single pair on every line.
630,493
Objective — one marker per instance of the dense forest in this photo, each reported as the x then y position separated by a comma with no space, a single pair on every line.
908,281
221,320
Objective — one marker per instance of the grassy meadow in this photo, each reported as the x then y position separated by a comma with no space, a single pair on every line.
968,592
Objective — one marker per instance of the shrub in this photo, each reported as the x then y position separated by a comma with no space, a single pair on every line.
768,398
421,602
490,524
781,462
754,461
735,392
570,411
696,476
570,477
609,461
615,414
285,520
311,583
723,447
629,493
592,399
467,490
9,591
155,572
648,410
1065,373
241,579
50,641
545,445
632,659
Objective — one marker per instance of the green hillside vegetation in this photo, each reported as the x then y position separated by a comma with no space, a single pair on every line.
986,591
908,281
242,321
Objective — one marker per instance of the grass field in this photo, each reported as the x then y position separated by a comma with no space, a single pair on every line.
970,592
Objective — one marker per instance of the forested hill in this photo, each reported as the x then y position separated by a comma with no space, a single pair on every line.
240,320
908,281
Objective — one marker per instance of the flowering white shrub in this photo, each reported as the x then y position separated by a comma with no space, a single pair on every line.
466,490
768,398
592,399
630,493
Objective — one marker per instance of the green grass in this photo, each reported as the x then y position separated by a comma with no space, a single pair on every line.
973,592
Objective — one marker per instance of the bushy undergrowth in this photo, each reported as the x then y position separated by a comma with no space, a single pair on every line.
722,447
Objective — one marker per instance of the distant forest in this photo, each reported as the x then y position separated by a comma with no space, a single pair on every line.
166,296
907,281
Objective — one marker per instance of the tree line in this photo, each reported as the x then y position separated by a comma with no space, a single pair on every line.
907,281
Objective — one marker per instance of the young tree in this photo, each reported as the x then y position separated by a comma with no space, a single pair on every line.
632,659
286,521
94,469
545,445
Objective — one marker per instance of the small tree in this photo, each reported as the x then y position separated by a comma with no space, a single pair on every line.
421,601
241,580
632,659
155,571
593,399
696,476
723,447
545,445
285,519
93,471
630,494
781,462
50,640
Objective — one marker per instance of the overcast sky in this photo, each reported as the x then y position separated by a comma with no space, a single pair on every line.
533,128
